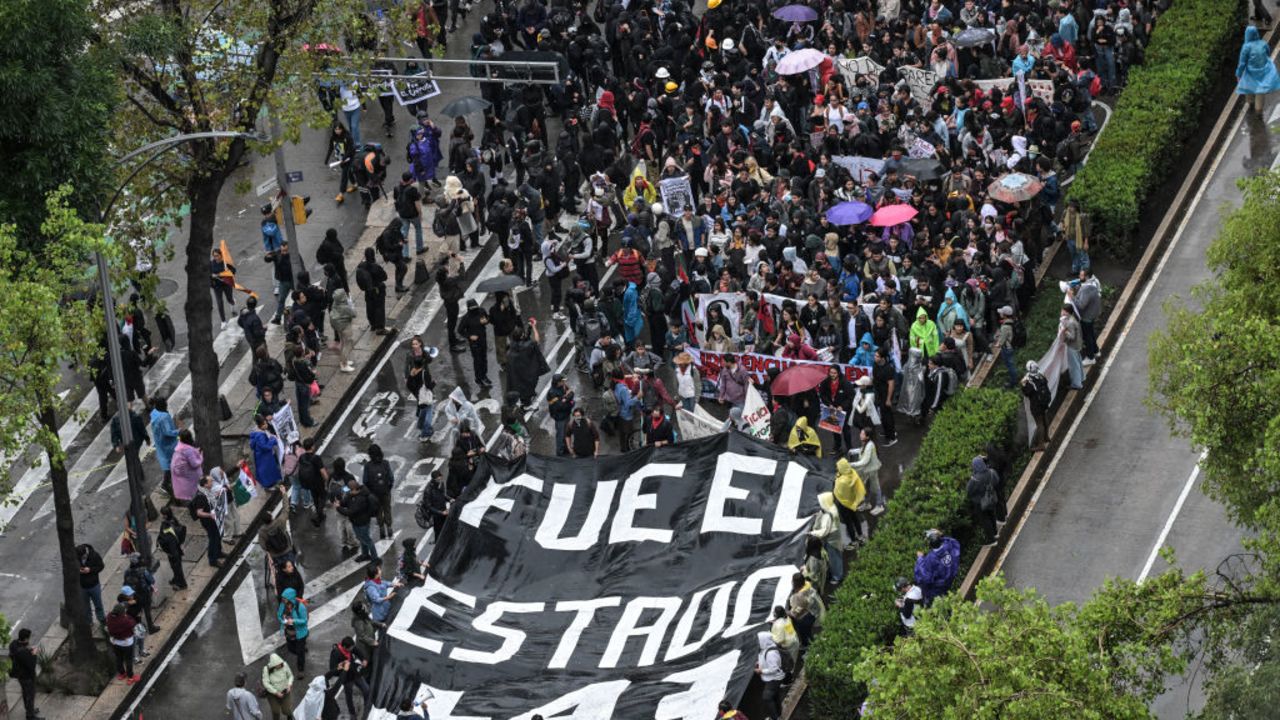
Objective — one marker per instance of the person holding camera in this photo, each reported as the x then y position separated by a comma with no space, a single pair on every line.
419,384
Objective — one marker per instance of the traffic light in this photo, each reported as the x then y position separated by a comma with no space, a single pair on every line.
300,210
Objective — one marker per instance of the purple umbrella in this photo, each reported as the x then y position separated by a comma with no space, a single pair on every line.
849,213
796,13
798,61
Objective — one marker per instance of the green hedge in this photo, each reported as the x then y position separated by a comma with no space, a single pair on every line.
932,494
1157,112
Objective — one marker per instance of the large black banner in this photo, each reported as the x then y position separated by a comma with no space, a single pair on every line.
631,586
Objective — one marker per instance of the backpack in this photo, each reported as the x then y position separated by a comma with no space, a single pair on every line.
309,467
611,406
404,208
594,327
363,279
784,660
389,243
1019,339
378,478
134,578
654,302
988,499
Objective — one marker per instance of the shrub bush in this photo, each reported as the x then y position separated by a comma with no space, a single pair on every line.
1157,112
932,494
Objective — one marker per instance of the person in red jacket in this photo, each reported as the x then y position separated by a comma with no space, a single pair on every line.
630,263
1062,51
120,631
798,349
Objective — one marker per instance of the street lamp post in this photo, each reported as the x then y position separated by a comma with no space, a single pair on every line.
133,466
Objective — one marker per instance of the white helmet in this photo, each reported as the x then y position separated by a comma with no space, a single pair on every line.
657,208
662,73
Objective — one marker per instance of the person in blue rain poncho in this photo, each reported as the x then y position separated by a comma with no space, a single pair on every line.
937,568
1256,73
950,312
865,355
632,320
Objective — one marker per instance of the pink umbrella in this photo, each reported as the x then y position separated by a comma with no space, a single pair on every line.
798,61
890,215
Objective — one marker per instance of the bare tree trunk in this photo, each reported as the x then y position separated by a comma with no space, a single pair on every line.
83,651
205,415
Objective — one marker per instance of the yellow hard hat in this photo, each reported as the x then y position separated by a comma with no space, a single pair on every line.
713,4
711,43
672,87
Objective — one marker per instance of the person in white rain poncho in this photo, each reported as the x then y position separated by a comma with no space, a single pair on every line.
912,394
459,409
313,703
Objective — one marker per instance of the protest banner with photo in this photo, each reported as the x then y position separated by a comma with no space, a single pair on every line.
676,194
729,304
416,89
920,149
860,167
757,367
629,586
755,415
285,426
831,418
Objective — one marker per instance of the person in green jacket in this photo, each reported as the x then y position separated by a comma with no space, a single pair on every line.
924,333
277,682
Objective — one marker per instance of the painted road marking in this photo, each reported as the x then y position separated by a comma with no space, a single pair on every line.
1168,523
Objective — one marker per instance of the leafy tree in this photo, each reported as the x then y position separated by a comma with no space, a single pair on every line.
1013,656
42,329
194,66
1215,370
55,118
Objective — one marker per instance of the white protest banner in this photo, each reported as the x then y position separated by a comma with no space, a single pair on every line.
755,415
728,304
921,81
860,167
1042,89
698,424
286,427
381,83
921,149
676,194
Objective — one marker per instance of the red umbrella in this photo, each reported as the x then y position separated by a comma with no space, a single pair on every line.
798,378
891,215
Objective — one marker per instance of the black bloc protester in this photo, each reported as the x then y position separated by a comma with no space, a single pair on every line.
632,586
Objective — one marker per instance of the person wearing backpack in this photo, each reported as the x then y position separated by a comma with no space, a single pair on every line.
170,539
769,668
984,499
372,281
304,379
1003,347
314,478
379,479
409,208
654,303
143,583
1035,387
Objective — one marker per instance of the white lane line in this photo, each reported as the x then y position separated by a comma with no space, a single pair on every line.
1109,362
1173,516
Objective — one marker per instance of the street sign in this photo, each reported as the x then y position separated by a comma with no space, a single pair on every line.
293,176
266,186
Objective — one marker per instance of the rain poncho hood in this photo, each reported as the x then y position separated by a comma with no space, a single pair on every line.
866,352
924,335
951,306
1255,72
849,491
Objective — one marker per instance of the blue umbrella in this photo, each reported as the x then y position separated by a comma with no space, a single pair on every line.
849,213
796,13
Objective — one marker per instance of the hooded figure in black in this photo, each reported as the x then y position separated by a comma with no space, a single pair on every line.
372,280
526,363
474,328
331,252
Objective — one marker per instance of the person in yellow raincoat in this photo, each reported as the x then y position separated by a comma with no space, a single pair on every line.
850,492
638,188
804,440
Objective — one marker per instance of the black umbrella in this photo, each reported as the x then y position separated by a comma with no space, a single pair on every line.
465,106
973,37
924,169
502,283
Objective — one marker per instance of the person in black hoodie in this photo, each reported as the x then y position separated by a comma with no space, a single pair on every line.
22,659
332,253
380,479
372,281
345,663
449,275
504,318
254,331
359,507
474,327
90,585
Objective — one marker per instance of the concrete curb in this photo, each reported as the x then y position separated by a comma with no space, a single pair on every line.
989,557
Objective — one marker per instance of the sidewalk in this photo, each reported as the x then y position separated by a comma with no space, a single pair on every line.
172,607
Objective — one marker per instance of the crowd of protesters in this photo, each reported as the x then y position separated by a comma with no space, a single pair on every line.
578,177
